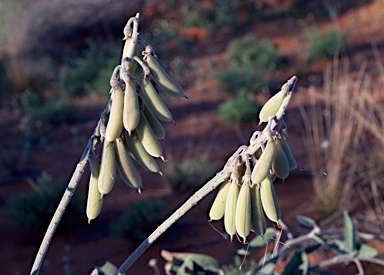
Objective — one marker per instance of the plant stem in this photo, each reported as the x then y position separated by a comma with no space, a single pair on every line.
212,184
69,191
131,34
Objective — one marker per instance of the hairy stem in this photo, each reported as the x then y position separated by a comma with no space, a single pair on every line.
213,183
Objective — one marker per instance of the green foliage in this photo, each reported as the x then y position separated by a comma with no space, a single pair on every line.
185,263
259,241
141,219
33,211
239,109
189,173
234,269
88,75
41,111
222,14
349,233
325,46
249,52
248,58
106,269
240,81
297,265
308,222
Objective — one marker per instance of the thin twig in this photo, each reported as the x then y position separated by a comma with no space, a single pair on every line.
212,184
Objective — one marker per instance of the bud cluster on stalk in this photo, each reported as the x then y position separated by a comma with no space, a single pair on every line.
247,196
130,128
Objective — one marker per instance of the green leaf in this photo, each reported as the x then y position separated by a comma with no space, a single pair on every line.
304,262
308,222
258,241
297,265
337,246
203,266
366,252
349,233
267,268
107,269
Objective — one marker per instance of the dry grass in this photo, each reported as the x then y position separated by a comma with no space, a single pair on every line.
344,136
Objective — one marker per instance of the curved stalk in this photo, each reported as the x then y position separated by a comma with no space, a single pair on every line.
213,183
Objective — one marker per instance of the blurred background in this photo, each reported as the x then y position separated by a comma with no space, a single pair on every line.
56,58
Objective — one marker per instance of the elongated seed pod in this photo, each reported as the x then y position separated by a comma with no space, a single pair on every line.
94,200
131,109
115,121
107,168
218,207
288,153
272,175
280,165
154,101
148,137
155,124
129,43
125,165
271,107
258,153
230,209
243,212
140,154
264,163
258,223
269,200
162,79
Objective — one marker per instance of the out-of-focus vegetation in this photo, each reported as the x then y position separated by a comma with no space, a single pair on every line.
241,81
33,211
139,221
88,75
188,173
252,53
325,46
249,59
239,109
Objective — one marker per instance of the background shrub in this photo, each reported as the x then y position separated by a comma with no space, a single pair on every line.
88,75
325,46
222,14
34,211
141,219
40,111
252,53
239,109
189,173
240,81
